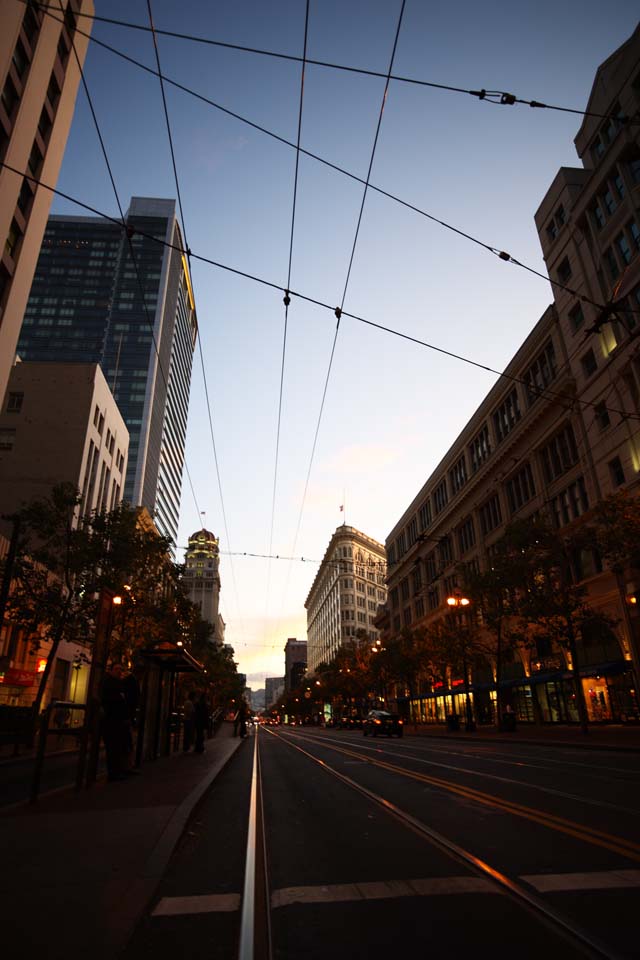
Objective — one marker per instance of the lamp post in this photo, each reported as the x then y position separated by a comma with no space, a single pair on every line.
459,603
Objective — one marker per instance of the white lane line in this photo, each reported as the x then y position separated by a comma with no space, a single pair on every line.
601,880
381,890
206,903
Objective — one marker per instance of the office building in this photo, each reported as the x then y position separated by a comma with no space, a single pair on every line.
93,301
295,662
345,594
274,688
59,423
39,79
201,579
556,434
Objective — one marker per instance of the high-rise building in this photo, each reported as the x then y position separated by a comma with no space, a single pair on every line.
555,435
92,301
201,579
345,594
274,688
39,79
295,662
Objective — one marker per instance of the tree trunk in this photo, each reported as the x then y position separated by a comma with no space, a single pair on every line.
577,685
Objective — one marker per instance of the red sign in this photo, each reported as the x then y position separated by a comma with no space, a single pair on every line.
18,678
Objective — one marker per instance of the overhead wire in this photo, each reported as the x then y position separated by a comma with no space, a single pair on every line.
339,310
543,392
287,298
495,251
129,238
500,97
187,253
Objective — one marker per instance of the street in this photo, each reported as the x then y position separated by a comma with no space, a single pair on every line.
413,845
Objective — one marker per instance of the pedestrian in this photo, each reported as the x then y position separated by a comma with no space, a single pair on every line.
189,722
201,714
131,689
115,723
243,719
236,722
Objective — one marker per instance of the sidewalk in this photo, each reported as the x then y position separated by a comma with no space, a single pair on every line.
79,868
623,737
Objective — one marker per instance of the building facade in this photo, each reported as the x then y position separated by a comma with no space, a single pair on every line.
274,688
201,579
93,300
345,594
295,662
59,422
39,79
557,433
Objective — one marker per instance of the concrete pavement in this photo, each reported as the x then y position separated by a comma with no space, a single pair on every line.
79,868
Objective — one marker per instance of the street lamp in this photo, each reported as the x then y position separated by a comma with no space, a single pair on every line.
458,603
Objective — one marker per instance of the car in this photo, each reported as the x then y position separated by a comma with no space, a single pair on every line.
380,721
350,723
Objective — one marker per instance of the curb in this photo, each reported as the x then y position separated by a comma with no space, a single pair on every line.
580,745
139,893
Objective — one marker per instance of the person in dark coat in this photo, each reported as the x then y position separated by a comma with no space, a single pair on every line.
115,723
201,721
189,719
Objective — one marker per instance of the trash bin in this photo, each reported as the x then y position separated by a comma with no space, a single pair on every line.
453,722
509,722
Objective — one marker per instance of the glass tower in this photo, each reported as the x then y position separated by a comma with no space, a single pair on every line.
91,301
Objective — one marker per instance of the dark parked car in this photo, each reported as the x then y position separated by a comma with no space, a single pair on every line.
379,721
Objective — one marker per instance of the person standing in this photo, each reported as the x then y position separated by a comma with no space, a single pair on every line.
189,722
244,711
115,723
201,714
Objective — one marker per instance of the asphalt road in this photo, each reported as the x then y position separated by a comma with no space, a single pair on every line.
503,850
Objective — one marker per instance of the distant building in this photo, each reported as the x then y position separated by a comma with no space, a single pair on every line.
39,79
201,579
274,688
92,301
295,662
345,594
555,435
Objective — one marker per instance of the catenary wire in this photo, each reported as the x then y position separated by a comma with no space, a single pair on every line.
200,351
541,392
287,301
496,251
499,97
339,310
132,254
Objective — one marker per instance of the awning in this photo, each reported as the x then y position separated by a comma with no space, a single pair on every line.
170,656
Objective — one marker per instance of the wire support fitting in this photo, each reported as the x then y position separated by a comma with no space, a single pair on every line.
338,313
286,299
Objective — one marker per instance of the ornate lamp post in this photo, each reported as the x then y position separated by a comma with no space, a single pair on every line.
459,603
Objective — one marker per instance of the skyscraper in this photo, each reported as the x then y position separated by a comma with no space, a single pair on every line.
39,78
91,301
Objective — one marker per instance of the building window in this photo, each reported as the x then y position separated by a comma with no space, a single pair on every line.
506,416
404,589
623,247
14,402
576,317
490,515
466,536
598,216
412,531
520,488
609,258
424,516
444,550
616,472
602,416
458,475
541,373
433,598
12,243
9,97
419,605
588,362
570,504
7,438
480,449
560,454
440,497
564,271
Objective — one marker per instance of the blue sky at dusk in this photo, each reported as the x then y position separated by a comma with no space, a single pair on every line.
392,408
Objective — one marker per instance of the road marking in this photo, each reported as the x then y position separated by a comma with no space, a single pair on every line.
207,903
600,880
380,890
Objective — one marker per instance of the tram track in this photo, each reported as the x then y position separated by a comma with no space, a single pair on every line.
588,944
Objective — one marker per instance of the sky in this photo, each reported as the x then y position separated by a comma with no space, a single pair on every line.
392,408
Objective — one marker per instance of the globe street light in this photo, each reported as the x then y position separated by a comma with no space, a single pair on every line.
458,603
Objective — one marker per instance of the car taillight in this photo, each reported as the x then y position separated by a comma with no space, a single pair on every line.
400,722
378,722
